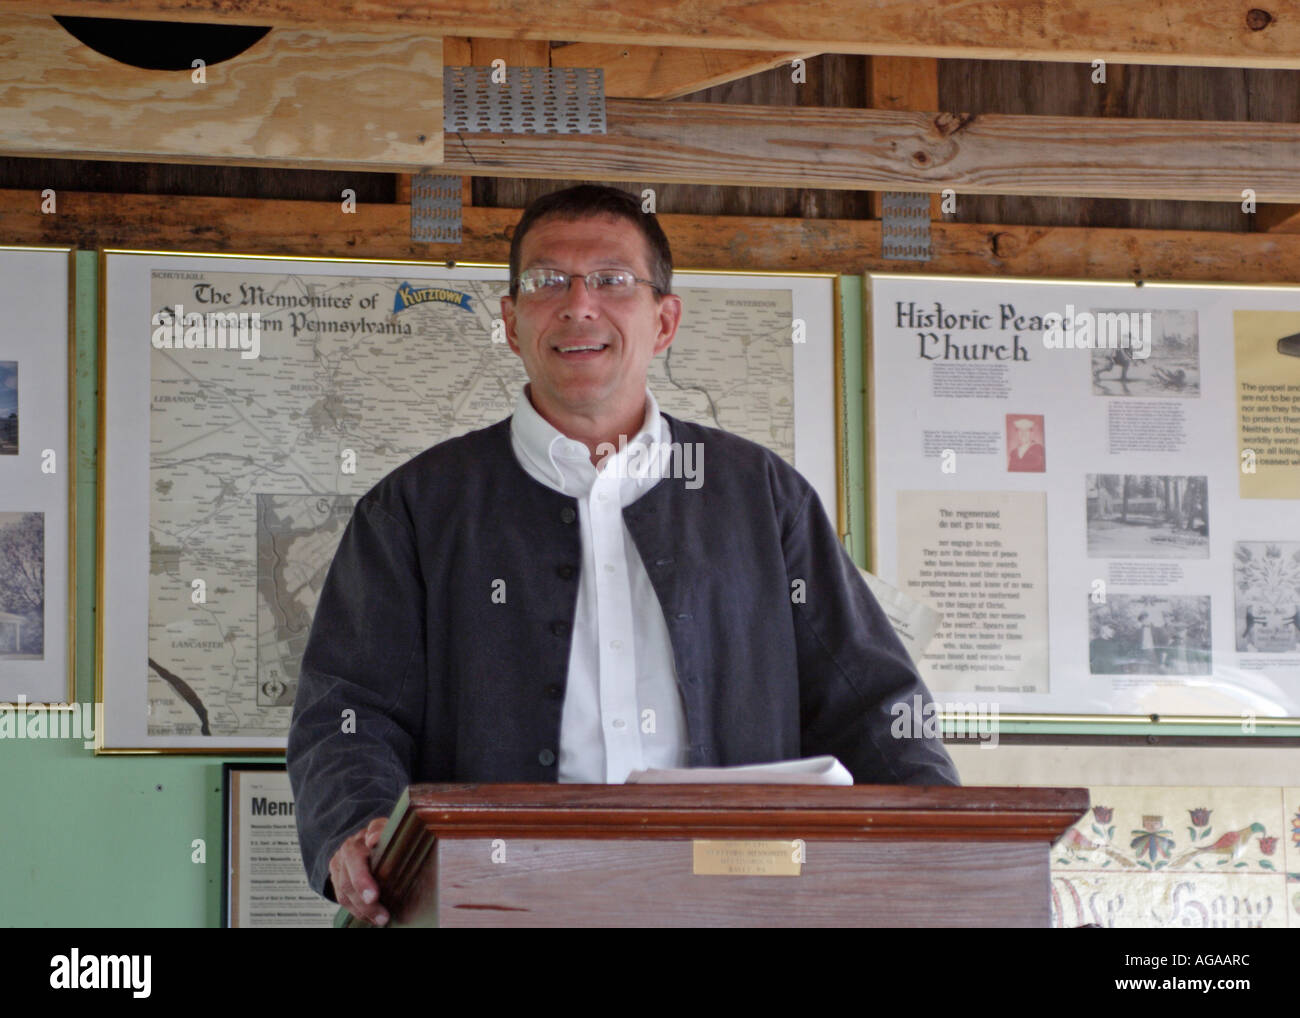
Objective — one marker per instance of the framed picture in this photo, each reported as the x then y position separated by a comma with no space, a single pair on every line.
37,468
265,885
1098,486
246,403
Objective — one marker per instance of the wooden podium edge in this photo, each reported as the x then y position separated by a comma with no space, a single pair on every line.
426,812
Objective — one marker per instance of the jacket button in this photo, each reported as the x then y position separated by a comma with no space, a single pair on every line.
546,758
567,515
560,628
554,691
565,572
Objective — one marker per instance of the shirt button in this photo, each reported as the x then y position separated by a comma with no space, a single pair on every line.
560,628
616,644
546,758
565,572
602,497
567,515
609,567
620,723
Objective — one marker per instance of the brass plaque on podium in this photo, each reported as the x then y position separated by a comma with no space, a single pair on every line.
748,858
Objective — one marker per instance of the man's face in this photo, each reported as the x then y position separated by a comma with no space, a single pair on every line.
629,329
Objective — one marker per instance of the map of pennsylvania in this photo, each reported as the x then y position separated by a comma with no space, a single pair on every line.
250,488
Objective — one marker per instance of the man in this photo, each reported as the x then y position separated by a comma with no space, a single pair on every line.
518,604
1151,642
1105,360
1026,454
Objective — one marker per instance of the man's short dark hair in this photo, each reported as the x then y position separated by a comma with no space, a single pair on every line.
585,201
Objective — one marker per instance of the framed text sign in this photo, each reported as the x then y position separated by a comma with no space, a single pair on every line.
265,885
233,454
1098,485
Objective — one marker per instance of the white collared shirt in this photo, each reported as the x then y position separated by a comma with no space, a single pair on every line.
622,709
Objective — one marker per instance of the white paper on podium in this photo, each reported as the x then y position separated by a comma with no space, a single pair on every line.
914,621
814,770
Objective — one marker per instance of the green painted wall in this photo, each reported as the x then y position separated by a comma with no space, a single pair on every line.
852,338
103,841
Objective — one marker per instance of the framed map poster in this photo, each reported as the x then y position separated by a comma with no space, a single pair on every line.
1098,486
37,464
234,447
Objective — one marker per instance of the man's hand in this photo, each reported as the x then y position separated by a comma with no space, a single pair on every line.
354,886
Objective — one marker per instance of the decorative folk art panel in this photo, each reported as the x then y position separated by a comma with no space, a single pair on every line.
1181,857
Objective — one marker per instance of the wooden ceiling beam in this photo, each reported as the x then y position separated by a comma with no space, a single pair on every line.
374,102
631,72
1278,218
887,150
272,227
1184,32
515,52
668,72
902,83
460,51
97,109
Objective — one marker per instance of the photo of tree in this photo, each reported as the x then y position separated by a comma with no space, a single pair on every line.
1147,516
22,586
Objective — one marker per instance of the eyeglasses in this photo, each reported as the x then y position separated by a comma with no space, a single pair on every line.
600,282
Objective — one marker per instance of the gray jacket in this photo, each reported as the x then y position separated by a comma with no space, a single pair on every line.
447,685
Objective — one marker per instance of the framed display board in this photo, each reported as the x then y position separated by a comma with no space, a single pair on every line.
37,469
230,461
264,885
1098,485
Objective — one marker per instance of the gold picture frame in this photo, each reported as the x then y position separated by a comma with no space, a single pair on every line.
13,690
986,473
123,464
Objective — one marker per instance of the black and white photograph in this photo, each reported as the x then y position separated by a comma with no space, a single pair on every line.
1266,582
1170,341
1149,635
22,586
1147,516
8,408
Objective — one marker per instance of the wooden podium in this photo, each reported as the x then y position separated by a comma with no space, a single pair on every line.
720,855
